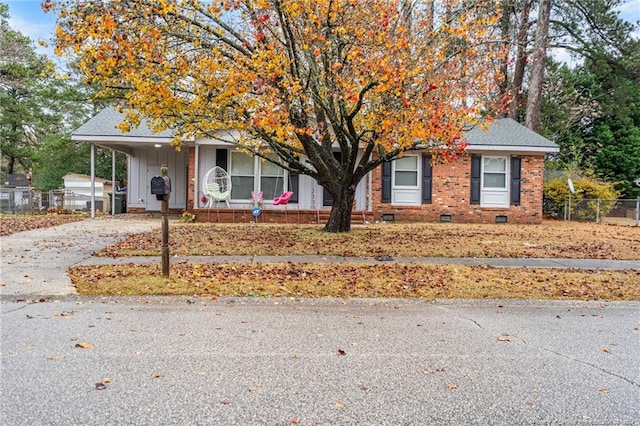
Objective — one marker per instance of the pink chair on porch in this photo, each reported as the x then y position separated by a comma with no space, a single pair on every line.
283,200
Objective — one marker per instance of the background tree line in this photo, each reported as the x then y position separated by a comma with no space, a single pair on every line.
39,108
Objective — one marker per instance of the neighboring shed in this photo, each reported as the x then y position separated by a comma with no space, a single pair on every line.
78,192
15,193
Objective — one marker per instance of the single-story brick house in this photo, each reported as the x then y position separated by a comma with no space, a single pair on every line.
499,180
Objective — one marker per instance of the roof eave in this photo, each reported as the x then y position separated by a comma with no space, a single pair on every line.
514,148
111,138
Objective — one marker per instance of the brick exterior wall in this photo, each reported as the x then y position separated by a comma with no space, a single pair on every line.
291,215
451,192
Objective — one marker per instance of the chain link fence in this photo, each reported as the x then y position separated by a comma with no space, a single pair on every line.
22,200
620,211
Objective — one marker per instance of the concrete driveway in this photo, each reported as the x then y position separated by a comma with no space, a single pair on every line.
35,262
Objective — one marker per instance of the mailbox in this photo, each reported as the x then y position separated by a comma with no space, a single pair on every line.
160,186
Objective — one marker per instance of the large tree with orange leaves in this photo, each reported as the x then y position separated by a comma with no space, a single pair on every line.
297,78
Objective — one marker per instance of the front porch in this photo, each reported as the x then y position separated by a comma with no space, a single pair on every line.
291,215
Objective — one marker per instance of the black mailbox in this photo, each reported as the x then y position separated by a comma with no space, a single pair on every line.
160,186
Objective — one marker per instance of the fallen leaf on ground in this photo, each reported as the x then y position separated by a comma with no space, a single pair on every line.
504,338
225,402
55,357
603,390
157,376
339,405
606,350
451,386
84,345
100,386
341,352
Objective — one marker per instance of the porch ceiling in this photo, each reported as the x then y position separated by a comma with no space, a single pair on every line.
125,144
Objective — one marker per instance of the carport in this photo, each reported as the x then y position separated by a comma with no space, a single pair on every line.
145,152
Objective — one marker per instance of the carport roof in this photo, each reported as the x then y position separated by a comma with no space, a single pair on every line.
104,124
102,130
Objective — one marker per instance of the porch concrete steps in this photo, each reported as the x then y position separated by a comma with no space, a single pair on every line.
356,216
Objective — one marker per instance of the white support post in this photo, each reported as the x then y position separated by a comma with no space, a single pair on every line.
113,182
93,181
196,177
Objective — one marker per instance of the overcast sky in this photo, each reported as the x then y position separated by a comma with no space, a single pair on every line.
28,17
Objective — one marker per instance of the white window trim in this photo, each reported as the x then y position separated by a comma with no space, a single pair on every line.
500,192
393,174
407,195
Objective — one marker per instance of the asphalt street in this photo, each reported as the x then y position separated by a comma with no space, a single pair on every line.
71,360
181,361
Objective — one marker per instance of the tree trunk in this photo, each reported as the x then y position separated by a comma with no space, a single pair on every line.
11,165
534,100
340,217
521,61
505,30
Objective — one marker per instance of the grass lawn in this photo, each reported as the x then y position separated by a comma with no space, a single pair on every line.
553,239
550,240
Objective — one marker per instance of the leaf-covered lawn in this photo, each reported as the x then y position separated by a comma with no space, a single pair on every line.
10,224
358,280
549,240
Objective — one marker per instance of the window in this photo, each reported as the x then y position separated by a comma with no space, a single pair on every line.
406,171
242,176
244,169
271,179
494,173
405,181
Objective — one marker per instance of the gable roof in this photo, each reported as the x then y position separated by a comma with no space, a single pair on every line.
506,134
80,176
101,129
503,134
104,124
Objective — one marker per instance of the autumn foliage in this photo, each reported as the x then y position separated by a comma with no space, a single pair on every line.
298,78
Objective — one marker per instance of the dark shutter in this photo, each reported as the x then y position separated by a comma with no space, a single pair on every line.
516,163
475,179
386,182
221,158
294,179
426,179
